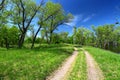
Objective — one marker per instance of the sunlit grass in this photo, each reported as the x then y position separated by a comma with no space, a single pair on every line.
79,69
36,64
108,61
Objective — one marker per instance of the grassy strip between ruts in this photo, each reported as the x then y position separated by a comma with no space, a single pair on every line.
79,71
34,64
108,61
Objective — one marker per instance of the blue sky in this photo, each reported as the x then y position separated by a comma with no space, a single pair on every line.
90,12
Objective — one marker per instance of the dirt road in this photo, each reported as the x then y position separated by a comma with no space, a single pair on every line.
62,71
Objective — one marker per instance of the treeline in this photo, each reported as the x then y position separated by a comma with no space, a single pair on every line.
57,38
106,37
17,17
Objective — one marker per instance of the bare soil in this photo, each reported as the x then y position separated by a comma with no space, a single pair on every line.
94,72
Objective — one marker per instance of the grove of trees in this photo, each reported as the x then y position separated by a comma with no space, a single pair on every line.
18,17
105,36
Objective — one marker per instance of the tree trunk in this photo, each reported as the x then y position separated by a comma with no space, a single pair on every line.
34,38
6,43
105,45
50,38
1,44
21,40
108,45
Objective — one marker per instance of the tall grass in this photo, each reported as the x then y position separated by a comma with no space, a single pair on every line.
108,61
34,64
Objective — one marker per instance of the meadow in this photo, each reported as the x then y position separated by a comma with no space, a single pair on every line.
37,36
26,64
108,61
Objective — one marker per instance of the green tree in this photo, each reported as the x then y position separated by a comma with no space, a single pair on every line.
45,13
50,17
4,13
8,36
64,37
13,35
104,35
4,36
56,20
24,12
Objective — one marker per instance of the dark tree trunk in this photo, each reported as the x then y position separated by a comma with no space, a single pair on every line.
1,44
24,28
34,38
106,45
21,40
6,43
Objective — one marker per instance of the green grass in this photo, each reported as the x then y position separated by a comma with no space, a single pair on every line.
36,64
109,62
79,69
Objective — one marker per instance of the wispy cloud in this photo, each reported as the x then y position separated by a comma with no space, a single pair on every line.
80,19
77,19
88,18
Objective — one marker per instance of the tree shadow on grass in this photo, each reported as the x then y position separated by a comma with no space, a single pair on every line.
78,46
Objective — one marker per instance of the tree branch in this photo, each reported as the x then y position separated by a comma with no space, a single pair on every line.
2,4
34,14
23,13
20,28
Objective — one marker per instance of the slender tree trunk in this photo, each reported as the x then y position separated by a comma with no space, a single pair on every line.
6,43
50,38
34,38
21,40
108,45
1,44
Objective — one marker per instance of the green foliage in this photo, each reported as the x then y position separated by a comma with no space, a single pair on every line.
108,61
10,34
21,13
23,10
52,8
82,36
106,36
13,35
4,12
55,17
61,37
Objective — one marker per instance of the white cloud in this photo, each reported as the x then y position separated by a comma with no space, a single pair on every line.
80,19
77,19
88,18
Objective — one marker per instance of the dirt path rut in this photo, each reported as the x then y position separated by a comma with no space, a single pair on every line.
94,72
60,74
